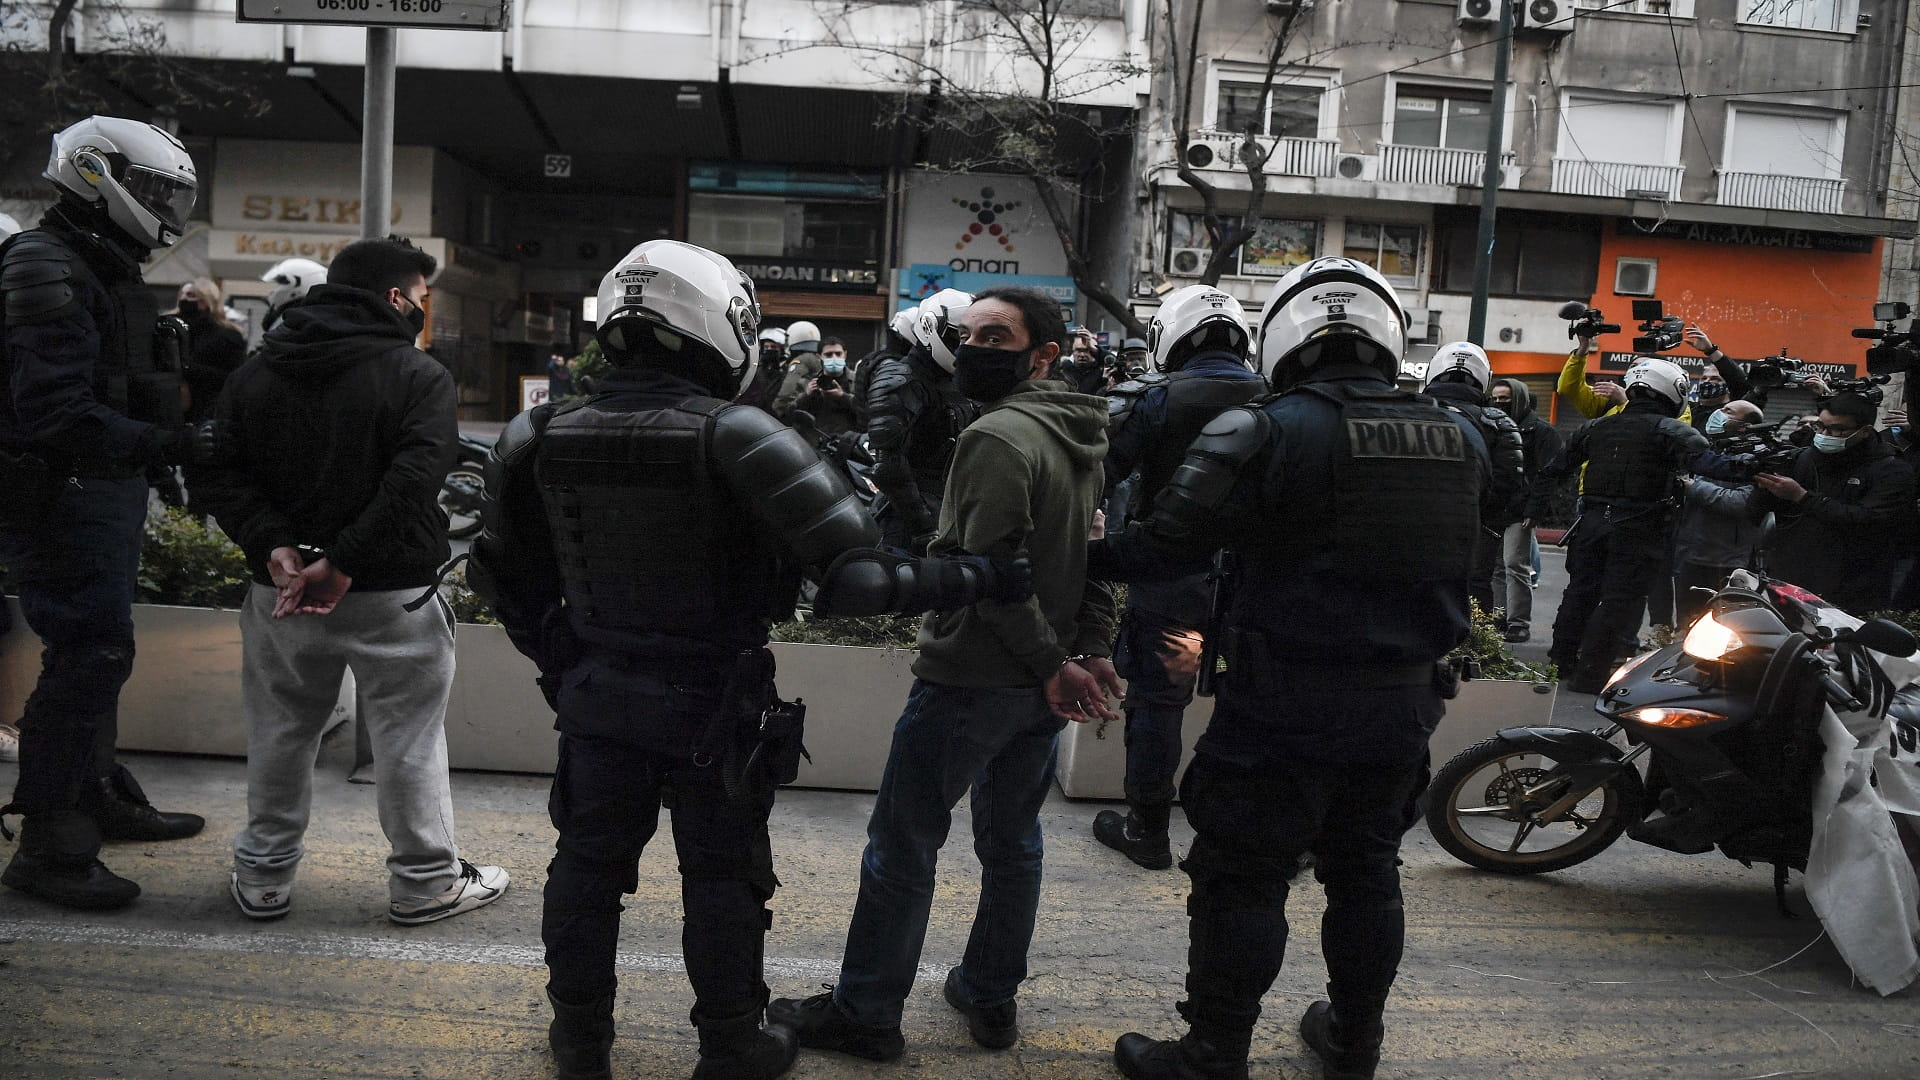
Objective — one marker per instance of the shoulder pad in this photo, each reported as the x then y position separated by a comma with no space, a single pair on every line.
1499,419
521,433
1235,435
738,427
889,374
37,277
1138,386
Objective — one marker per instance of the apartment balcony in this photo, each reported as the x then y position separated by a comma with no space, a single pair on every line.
1616,179
1440,165
1286,157
1773,191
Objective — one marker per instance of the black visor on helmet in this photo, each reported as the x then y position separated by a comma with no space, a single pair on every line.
166,197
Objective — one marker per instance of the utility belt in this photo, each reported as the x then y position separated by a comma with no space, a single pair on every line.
1251,665
756,739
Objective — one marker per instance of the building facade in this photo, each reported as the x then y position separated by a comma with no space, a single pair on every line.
1729,158
802,138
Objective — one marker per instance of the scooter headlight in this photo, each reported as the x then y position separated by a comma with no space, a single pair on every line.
1710,640
1672,718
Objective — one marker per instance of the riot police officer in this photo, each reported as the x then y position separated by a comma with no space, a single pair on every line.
1352,506
638,544
1459,377
93,401
914,413
895,342
1200,349
291,279
1619,542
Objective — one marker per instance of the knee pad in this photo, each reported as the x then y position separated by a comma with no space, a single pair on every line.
1360,888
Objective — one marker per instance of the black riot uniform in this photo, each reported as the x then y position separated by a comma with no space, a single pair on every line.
1505,500
638,543
913,416
93,400
1352,507
1152,421
1620,542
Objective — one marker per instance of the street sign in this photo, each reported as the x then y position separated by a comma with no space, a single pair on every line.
421,14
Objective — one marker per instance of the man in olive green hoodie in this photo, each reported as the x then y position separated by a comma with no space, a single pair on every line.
994,685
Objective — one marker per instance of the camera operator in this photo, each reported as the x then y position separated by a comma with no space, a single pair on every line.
1618,546
826,395
1084,369
1712,537
1842,511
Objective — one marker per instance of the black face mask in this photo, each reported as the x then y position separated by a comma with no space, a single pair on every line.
416,318
987,375
190,309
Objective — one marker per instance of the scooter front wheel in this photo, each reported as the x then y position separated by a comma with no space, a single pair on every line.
1485,807
461,494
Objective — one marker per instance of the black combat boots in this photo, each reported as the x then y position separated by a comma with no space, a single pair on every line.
582,1039
1349,1051
738,1048
58,861
121,810
1140,834
1188,1058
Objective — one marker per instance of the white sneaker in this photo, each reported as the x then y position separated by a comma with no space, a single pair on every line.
261,901
9,743
477,886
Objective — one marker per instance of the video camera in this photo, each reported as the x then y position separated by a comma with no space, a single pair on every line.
1777,371
1584,321
1658,330
1749,453
1897,350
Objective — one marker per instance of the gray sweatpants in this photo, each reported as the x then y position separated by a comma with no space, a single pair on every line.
1513,578
290,677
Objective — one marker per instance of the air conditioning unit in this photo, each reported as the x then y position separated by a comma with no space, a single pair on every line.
1356,166
1188,261
1635,277
1201,156
1553,17
1423,326
1478,12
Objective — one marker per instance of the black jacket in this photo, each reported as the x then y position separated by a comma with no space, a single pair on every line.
1842,539
343,432
214,352
1543,443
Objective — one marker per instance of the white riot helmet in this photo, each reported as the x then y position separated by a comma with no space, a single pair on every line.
803,336
139,175
1461,357
906,323
665,295
8,226
291,278
1664,377
1196,317
1331,301
940,324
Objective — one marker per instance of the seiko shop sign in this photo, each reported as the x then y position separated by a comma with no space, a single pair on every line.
263,247
808,275
1697,365
1750,235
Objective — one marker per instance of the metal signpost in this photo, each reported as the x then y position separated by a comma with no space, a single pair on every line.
381,18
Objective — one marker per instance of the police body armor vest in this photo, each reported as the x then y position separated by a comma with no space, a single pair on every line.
936,431
1628,460
1193,400
1406,489
651,546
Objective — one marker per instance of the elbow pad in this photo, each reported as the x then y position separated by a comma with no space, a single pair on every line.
875,581
810,507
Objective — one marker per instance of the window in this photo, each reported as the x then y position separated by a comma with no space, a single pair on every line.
1394,250
1679,9
1635,277
1292,111
737,226
1782,143
1838,16
1456,119
785,228
1277,246
1546,256
1630,132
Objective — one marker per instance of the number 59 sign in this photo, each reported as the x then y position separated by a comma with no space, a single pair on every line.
421,14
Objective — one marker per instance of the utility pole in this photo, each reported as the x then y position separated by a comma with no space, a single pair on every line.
376,136
1490,180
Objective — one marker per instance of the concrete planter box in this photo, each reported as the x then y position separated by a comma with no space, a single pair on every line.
1092,767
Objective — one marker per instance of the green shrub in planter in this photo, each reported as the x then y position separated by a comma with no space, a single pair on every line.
1487,645
187,562
873,632
466,604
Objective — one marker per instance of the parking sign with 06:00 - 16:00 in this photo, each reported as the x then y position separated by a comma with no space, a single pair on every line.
424,14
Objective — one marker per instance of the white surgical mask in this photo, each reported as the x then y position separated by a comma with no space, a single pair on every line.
1830,444
1717,423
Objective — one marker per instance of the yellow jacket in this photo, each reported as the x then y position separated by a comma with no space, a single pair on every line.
1574,390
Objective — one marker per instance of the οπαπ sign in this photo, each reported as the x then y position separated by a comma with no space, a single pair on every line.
423,14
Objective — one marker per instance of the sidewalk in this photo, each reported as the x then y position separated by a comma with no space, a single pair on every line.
1637,964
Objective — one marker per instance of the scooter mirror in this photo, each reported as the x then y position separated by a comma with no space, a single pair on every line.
1886,636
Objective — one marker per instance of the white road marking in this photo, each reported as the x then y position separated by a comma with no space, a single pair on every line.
352,947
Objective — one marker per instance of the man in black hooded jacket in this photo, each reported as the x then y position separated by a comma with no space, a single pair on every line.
342,432
1513,578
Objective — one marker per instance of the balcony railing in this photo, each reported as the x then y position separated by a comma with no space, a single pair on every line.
1773,191
1286,157
1439,165
1616,179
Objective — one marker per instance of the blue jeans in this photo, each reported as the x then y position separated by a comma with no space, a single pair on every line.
1000,743
1160,659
